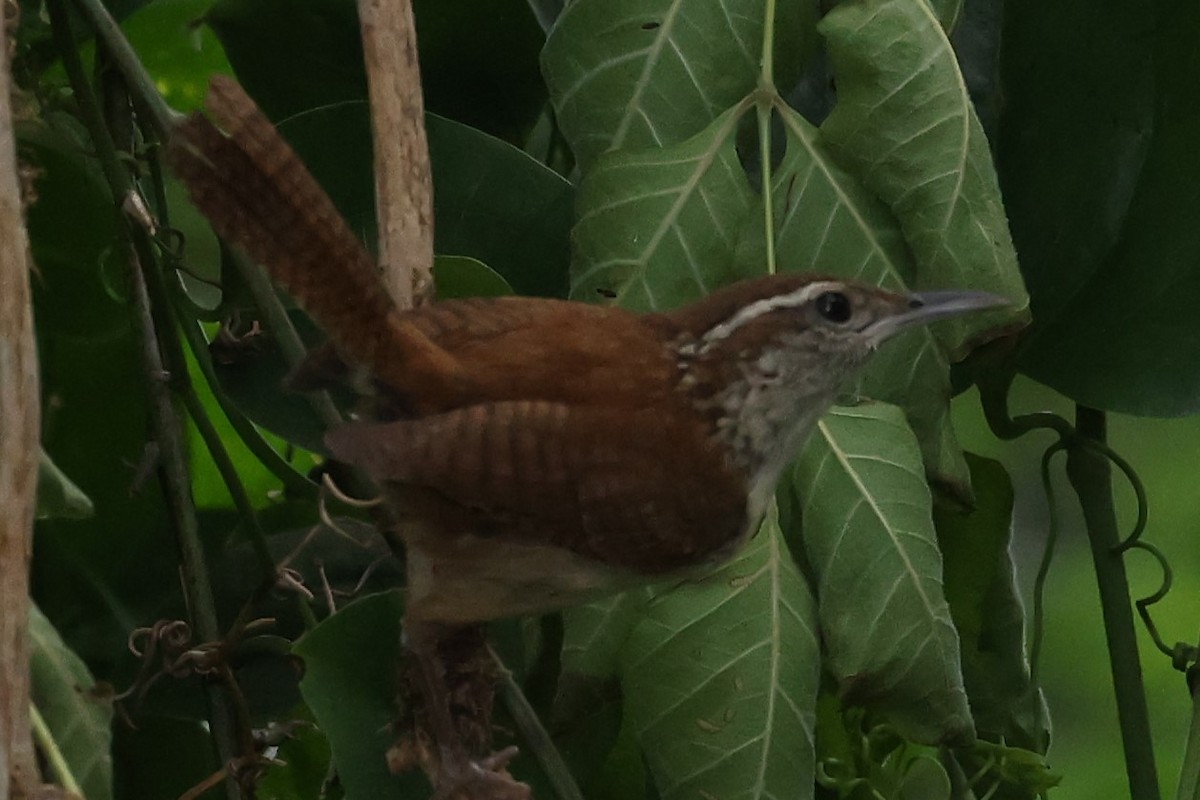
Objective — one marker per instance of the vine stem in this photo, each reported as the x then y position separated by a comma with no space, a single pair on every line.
53,754
1189,775
166,425
1090,474
765,102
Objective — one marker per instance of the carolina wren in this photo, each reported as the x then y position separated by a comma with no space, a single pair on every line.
582,449
546,450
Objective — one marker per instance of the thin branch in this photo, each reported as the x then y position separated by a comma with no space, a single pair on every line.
1090,473
1189,773
19,425
535,734
121,52
403,188
165,422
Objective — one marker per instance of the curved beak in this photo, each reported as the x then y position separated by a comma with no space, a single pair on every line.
925,307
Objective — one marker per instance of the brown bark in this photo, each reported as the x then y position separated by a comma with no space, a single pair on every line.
19,421
403,188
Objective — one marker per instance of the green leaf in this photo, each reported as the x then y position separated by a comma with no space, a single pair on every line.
1071,147
633,74
1126,338
905,126
497,204
868,534
987,612
77,713
594,634
482,75
177,53
304,769
721,676
350,683
492,201
58,496
252,377
658,228
462,276
828,223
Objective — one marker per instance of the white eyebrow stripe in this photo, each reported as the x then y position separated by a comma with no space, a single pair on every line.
793,299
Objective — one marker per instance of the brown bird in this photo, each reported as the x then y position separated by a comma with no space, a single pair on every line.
543,452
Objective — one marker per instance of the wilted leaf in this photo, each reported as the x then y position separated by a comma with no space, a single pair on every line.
987,612
721,676
905,126
868,534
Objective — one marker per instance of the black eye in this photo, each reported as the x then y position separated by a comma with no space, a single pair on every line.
834,306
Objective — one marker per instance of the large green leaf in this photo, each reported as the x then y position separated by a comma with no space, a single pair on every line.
828,223
350,683
295,55
1074,131
904,125
77,714
660,227
1122,335
492,201
868,534
633,74
721,677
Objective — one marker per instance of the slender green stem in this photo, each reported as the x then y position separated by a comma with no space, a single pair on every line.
281,326
765,100
1090,473
766,78
167,429
1189,775
535,734
1038,623
765,97
294,482
53,755
145,93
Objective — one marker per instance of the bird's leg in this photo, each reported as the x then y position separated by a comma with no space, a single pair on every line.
449,674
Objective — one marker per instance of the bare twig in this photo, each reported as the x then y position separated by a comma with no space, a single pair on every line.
19,421
403,189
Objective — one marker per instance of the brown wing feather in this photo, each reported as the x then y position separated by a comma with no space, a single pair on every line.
602,483
518,348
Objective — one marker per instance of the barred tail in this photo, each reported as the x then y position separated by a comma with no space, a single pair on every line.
258,194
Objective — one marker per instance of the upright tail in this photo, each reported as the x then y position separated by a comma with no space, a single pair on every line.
258,194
